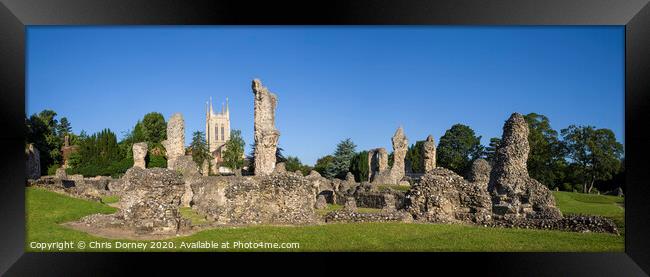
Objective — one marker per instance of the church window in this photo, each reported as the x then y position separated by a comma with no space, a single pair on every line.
222,136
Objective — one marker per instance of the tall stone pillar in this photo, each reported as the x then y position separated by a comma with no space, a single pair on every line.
139,153
33,165
266,136
175,142
513,191
377,162
400,146
429,154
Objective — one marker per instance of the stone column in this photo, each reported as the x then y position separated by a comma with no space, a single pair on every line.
205,168
266,136
513,191
139,153
429,154
33,165
400,146
175,142
377,162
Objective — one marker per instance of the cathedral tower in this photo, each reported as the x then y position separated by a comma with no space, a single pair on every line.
217,129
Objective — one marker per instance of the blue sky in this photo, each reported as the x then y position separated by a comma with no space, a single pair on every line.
332,82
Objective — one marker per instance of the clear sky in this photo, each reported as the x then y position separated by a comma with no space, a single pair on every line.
332,82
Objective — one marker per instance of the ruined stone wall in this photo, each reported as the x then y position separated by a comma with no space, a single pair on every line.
445,197
377,200
266,136
480,172
280,198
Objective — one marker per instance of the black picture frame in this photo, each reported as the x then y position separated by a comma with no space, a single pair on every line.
15,15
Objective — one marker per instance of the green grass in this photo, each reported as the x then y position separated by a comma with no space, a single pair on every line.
45,210
194,216
393,187
336,207
592,204
110,199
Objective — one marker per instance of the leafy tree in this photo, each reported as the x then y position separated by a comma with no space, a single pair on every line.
293,163
546,157
458,148
345,151
490,151
154,128
359,166
41,130
199,148
63,128
233,154
99,154
595,153
156,161
325,166
414,157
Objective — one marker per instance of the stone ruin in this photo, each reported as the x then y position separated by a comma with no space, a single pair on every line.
480,172
443,196
33,164
321,202
266,136
280,168
149,203
429,154
67,150
139,154
503,195
277,198
175,142
350,205
394,175
514,193
377,162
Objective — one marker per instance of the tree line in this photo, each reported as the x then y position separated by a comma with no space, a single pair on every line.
577,157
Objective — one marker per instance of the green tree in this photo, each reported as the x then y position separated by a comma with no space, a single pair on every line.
345,151
233,155
154,128
458,148
293,163
490,151
41,130
199,148
325,166
595,153
359,166
546,157
100,154
414,157
63,128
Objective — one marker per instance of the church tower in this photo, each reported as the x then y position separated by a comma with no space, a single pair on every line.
217,130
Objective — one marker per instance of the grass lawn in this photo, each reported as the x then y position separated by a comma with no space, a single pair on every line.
592,204
110,199
393,187
45,210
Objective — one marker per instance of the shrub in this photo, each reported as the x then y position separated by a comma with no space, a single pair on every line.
156,161
51,170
